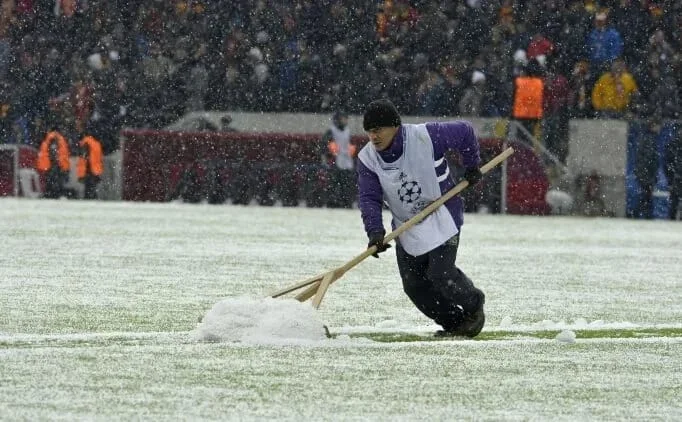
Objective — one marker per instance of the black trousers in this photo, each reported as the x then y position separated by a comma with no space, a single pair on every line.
90,183
435,285
341,188
55,179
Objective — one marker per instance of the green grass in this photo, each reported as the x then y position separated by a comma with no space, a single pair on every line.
401,337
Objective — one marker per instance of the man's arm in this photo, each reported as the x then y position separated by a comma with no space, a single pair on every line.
370,199
456,136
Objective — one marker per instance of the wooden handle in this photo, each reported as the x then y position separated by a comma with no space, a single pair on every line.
309,292
328,278
306,282
440,201
322,288
422,214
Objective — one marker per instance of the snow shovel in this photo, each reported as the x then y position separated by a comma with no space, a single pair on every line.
317,286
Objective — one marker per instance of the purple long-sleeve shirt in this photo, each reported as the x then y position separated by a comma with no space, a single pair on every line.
456,136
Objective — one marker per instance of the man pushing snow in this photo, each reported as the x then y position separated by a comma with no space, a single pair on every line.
404,166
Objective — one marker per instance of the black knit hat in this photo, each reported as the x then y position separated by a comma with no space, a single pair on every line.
380,113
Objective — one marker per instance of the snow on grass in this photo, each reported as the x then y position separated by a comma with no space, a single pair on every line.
260,321
99,304
514,380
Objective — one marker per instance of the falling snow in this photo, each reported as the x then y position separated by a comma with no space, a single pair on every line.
100,302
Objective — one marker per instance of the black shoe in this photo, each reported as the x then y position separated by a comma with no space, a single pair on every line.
470,327
446,333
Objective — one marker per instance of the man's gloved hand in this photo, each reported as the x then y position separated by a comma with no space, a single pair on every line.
377,239
473,176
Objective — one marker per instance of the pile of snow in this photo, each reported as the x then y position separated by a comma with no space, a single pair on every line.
566,336
260,321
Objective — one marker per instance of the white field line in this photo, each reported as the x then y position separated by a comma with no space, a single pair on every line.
165,340
156,337
185,337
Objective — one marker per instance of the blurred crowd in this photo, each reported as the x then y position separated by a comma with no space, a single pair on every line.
96,65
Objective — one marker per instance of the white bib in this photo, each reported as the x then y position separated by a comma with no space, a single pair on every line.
409,185
344,158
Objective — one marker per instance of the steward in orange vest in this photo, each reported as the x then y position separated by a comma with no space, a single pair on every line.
529,89
89,167
338,157
53,163
54,150
528,92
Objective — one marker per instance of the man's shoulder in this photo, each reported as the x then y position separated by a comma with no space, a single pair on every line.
456,124
327,134
366,150
415,129
367,158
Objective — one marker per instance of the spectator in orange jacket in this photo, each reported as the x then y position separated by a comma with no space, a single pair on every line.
53,163
89,168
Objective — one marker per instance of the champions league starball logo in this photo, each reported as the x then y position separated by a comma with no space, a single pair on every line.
409,192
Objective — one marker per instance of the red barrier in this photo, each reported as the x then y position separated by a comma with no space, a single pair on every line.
17,171
257,164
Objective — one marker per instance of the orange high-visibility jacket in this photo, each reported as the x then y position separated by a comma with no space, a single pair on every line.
43,163
528,92
334,149
94,158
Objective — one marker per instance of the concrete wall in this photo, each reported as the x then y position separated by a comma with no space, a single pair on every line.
601,146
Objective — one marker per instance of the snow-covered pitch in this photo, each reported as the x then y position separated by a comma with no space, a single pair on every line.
99,303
